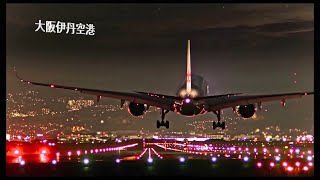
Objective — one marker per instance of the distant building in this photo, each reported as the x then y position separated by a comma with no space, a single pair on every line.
215,136
243,137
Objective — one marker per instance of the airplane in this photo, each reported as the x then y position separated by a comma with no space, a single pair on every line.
191,99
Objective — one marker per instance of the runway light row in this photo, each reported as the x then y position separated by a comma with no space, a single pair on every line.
286,165
142,153
277,158
78,152
204,148
158,155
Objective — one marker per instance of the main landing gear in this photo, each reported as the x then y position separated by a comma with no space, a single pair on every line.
218,124
162,123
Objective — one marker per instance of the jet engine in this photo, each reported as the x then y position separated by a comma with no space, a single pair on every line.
136,109
246,111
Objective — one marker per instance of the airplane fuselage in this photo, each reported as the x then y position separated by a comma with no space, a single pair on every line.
187,107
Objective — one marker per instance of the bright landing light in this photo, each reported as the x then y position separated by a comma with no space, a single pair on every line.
182,159
188,100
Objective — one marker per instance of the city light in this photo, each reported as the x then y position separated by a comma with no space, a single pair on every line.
305,168
310,164
297,164
277,158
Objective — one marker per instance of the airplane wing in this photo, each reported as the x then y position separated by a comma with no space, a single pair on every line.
215,96
218,103
141,98
178,98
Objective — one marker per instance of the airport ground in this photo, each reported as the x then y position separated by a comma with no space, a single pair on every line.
162,158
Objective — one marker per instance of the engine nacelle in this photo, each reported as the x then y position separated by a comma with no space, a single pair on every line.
246,111
136,109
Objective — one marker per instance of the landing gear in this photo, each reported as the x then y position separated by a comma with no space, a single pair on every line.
218,124
162,122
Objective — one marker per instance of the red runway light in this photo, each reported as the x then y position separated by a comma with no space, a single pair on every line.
272,164
259,164
16,152
285,164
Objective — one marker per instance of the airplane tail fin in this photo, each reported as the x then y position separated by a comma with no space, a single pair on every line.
188,82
